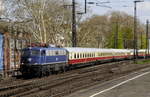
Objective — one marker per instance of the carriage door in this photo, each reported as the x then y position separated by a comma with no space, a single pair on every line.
43,56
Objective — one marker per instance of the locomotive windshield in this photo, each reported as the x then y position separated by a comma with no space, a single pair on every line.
25,53
30,53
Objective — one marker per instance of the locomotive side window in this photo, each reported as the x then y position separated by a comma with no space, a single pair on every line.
35,52
56,52
64,52
60,52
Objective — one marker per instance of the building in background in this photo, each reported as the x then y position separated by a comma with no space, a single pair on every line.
10,52
1,7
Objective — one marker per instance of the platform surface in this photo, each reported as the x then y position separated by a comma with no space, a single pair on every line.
136,84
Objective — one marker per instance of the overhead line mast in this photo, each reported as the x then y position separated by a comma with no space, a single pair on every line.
74,33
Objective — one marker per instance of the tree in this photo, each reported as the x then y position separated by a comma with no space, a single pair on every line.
100,31
46,20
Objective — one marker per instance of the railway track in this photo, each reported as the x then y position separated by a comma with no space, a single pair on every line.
66,83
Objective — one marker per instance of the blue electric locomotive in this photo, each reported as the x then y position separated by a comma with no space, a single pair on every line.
40,61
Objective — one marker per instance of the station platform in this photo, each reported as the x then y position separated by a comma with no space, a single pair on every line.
136,84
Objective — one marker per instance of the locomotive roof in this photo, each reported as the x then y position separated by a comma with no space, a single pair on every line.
77,49
43,48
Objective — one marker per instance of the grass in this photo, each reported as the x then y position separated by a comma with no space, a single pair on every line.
146,61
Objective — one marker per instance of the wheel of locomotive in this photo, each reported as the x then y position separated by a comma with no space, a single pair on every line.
24,73
63,69
48,71
1,76
39,72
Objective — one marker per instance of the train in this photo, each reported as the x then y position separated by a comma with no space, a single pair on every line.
43,61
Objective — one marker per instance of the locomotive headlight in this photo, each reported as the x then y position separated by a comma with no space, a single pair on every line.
29,59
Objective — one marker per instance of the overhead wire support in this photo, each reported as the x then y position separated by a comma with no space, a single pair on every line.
135,31
74,35
147,38
116,36
74,30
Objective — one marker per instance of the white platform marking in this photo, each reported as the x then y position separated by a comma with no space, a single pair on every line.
119,84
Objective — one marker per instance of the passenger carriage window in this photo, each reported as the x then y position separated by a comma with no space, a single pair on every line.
75,55
80,55
72,55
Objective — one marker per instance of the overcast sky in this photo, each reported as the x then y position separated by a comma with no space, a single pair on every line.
143,8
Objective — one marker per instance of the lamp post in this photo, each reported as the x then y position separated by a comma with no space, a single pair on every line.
135,29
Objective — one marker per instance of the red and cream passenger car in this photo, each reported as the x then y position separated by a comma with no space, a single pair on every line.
86,55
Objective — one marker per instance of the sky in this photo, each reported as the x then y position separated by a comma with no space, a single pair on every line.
143,8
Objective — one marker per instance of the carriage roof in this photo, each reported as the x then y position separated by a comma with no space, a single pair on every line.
43,48
77,49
